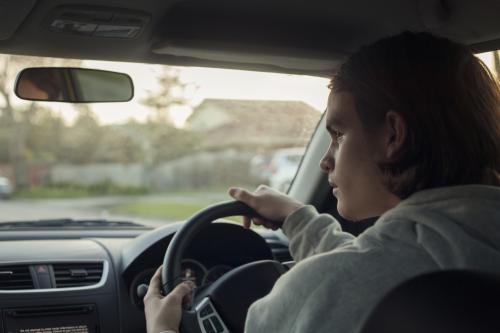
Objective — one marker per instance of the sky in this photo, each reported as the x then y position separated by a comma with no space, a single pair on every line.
201,83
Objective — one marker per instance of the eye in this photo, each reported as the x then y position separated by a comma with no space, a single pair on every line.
337,137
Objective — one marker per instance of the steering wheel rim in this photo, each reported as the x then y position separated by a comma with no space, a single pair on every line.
171,271
189,230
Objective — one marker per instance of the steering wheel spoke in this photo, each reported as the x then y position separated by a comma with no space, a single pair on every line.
209,319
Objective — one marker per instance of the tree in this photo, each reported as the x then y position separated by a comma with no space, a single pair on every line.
120,144
170,93
163,140
16,119
82,139
168,142
45,136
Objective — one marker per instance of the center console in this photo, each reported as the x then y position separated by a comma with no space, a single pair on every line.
52,319
69,287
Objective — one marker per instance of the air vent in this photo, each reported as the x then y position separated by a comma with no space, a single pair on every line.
77,274
15,277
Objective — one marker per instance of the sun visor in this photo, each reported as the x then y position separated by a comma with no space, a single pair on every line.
12,15
244,54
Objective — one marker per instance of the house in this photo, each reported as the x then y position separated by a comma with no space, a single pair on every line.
249,124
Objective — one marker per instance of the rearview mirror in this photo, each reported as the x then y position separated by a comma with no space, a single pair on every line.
74,85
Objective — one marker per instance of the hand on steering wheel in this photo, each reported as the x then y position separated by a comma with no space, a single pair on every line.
164,313
222,306
272,206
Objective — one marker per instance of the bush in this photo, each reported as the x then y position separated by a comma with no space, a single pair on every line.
71,190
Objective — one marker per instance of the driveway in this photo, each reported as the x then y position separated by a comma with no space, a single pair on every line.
90,208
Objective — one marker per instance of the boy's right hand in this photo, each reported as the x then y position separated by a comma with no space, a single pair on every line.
273,205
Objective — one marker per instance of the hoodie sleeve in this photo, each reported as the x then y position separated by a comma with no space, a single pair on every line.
311,233
335,291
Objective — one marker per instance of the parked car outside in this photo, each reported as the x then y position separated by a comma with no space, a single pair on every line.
283,167
5,188
260,168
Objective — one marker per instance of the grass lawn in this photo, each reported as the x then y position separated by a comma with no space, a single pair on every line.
167,210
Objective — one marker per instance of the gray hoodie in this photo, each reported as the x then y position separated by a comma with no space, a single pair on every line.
338,278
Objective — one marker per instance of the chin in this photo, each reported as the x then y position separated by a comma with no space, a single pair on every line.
345,212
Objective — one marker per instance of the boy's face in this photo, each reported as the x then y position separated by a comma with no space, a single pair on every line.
350,162
29,90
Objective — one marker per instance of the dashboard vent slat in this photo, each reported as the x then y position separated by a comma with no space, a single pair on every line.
15,277
77,274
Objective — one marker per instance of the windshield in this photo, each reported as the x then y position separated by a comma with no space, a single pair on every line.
187,135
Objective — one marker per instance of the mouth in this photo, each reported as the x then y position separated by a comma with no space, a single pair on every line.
335,188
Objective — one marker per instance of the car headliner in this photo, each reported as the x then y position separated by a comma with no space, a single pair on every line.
298,36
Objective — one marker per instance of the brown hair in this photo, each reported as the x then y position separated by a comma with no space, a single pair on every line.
448,99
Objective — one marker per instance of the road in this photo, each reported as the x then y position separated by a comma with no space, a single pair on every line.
84,208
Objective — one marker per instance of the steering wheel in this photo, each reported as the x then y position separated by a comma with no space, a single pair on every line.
223,305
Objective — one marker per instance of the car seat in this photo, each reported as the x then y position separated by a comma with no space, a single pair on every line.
447,301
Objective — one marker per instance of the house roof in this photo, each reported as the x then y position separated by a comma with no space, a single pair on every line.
262,123
254,108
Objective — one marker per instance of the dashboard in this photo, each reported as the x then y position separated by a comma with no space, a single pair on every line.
86,281
220,248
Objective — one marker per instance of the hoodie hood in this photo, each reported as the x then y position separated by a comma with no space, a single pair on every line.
459,226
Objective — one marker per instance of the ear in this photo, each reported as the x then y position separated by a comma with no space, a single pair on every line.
395,134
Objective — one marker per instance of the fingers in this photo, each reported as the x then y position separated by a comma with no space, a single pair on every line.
246,197
177,295
242,195
270,225
154,289
247,222
258,221
253,200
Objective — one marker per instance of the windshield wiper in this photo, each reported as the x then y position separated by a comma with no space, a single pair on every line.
70,223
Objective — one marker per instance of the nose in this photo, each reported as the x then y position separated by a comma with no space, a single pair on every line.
327,162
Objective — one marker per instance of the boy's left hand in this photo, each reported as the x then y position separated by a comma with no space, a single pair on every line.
164,313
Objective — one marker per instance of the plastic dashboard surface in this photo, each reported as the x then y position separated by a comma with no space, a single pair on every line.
126,256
